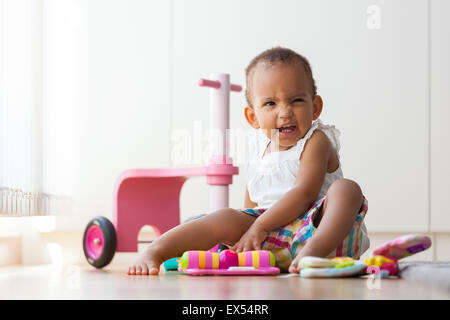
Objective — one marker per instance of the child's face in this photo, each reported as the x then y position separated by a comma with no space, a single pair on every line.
281,96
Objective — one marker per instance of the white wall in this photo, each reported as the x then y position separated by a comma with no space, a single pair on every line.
107,91
123,76
370,89
440,114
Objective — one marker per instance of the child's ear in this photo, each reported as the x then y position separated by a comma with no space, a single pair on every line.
317,106
250,115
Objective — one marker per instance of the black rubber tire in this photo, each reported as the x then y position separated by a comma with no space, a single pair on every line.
109,243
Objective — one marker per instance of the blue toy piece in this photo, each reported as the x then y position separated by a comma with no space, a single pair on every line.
171,264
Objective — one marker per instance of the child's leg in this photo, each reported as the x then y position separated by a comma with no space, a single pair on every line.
225,225
342,204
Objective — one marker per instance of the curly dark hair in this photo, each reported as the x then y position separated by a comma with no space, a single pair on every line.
274,55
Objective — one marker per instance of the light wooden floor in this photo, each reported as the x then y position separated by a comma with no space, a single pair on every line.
84,282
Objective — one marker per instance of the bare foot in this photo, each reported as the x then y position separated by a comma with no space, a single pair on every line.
293,268
148,263
304,252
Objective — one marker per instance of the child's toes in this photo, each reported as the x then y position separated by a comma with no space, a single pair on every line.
292,269
144,270
131,271
153,271
138,270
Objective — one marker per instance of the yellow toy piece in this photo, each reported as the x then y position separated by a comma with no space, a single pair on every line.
343,262
378,261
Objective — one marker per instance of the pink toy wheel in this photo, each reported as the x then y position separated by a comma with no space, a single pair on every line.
99,242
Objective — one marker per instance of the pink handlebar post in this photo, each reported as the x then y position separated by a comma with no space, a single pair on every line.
219,119
209,83
235,87
216,84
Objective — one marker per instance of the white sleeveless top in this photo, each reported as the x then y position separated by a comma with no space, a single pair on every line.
269,178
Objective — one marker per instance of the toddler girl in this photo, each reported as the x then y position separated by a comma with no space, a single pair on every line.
296,203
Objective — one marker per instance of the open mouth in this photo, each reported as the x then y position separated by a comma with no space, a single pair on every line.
287,129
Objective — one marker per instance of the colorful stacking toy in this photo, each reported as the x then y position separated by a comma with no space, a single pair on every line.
228,262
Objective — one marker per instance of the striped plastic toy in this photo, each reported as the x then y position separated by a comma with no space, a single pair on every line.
228,262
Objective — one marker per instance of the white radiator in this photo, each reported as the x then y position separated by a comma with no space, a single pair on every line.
19,203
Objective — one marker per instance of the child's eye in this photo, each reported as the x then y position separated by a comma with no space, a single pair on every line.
299,100
269,103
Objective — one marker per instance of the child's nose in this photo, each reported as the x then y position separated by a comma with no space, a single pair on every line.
285,110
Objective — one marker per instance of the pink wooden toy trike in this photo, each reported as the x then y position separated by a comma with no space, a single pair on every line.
151,196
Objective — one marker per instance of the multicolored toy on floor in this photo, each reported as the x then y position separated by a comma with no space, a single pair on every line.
314,267
384,262
228,262
259,262
386,256
403,246
382,266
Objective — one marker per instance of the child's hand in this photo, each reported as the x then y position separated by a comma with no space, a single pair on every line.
251,239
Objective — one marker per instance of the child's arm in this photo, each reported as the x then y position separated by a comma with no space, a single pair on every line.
247,202
314,162
310,176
